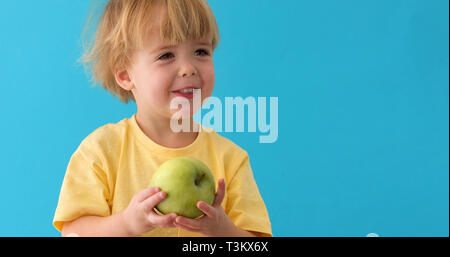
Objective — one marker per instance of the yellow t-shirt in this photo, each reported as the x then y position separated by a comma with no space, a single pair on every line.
118,160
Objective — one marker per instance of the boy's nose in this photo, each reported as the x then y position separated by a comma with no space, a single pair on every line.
187,70
187,74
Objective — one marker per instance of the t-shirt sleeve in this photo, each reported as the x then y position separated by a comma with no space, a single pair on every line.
245,206
84,191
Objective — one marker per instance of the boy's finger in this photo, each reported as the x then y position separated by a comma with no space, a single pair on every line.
220,193
146,193
191,223
150,203
163,220
187,228
206,209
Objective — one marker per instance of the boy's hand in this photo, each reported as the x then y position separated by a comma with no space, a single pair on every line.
139,217
215,222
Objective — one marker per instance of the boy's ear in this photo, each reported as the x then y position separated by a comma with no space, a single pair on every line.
123,79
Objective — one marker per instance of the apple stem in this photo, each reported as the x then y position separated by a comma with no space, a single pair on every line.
197,181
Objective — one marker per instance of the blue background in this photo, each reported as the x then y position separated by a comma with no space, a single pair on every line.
363,110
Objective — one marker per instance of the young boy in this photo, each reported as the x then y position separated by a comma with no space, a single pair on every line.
150,52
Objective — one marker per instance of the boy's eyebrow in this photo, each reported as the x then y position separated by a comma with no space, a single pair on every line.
204,43
164,47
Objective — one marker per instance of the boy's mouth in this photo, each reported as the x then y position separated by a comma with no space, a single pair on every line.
187,92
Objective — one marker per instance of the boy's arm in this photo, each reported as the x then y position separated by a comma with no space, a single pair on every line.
95,226
138,218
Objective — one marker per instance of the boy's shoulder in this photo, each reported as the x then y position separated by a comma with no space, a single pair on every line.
105,138
108,131
225,145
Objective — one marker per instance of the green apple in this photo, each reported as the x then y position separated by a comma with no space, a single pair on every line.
185,181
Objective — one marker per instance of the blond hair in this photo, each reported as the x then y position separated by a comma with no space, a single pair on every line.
124,26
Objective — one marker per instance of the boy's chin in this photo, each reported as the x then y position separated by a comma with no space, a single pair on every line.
185,123
183,114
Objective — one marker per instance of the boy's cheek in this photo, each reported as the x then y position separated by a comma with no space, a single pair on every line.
207,93
208,86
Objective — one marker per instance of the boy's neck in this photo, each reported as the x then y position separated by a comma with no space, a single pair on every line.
159,131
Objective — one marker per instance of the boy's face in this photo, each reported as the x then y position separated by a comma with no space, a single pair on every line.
159,69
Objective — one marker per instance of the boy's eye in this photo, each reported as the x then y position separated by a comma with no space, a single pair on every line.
166,56
202,52
169,55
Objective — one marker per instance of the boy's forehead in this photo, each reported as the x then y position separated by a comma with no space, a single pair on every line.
153,40
157,16
155,19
